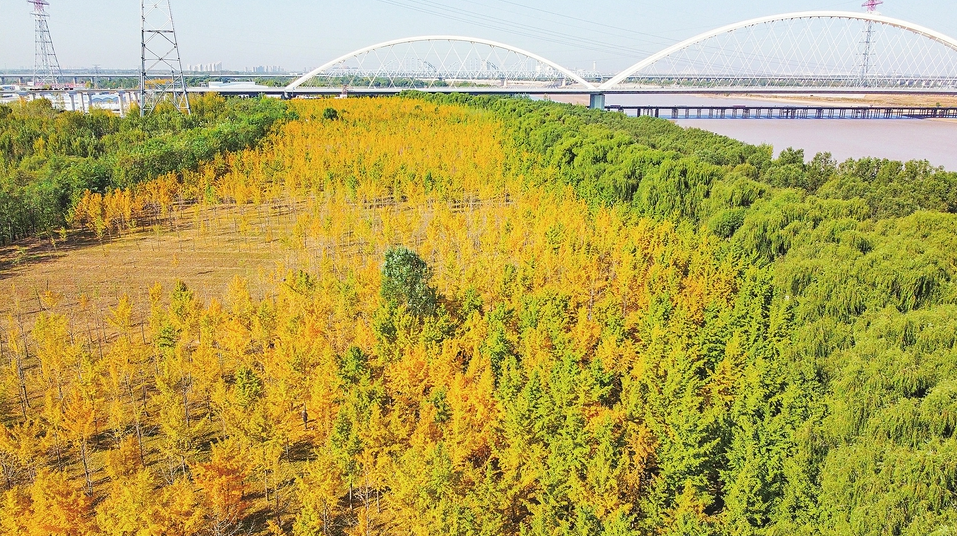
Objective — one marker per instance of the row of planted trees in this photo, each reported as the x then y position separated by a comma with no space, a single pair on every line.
48,158
321,413
517,318
477,385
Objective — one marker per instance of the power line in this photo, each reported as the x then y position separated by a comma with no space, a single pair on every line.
665,40
512,27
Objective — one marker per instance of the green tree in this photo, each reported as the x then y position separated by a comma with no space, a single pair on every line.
405,282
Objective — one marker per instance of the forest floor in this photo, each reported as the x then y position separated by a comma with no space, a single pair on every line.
205,247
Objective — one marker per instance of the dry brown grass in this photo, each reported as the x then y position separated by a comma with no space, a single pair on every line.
205,247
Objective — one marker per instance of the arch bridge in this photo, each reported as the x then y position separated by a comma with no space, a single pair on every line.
823,51
442,62
815,49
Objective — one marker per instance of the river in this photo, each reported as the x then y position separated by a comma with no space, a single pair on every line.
934,140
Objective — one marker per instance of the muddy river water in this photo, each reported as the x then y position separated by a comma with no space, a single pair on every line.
934,140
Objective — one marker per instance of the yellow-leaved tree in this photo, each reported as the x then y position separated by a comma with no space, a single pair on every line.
320,491
221,483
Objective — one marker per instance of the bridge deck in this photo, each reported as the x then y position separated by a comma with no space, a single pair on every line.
82,100
788,112
514,90
520,90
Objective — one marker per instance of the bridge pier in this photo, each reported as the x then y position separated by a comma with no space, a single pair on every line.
597,101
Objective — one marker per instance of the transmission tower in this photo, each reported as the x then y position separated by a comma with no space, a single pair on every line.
871,6
161,73
46,68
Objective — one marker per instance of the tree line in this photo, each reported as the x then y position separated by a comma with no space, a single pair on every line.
49,157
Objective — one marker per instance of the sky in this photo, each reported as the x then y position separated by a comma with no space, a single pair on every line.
299,34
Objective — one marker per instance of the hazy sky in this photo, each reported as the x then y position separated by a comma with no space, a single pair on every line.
297,34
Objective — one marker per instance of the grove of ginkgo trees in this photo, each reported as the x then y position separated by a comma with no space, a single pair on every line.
493,325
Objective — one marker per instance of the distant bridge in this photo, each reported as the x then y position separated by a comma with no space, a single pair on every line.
811,49
817,50
764,111
809,52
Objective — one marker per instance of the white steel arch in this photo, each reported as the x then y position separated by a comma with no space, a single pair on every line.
450,38
865,17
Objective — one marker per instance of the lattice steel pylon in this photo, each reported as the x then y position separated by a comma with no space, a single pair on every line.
46,67
868,45
161,73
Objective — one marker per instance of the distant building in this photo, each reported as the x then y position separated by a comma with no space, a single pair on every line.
240,85
265,69
205,67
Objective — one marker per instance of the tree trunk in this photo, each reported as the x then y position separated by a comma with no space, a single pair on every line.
86,468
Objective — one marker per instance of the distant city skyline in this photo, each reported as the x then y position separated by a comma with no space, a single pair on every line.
301,35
